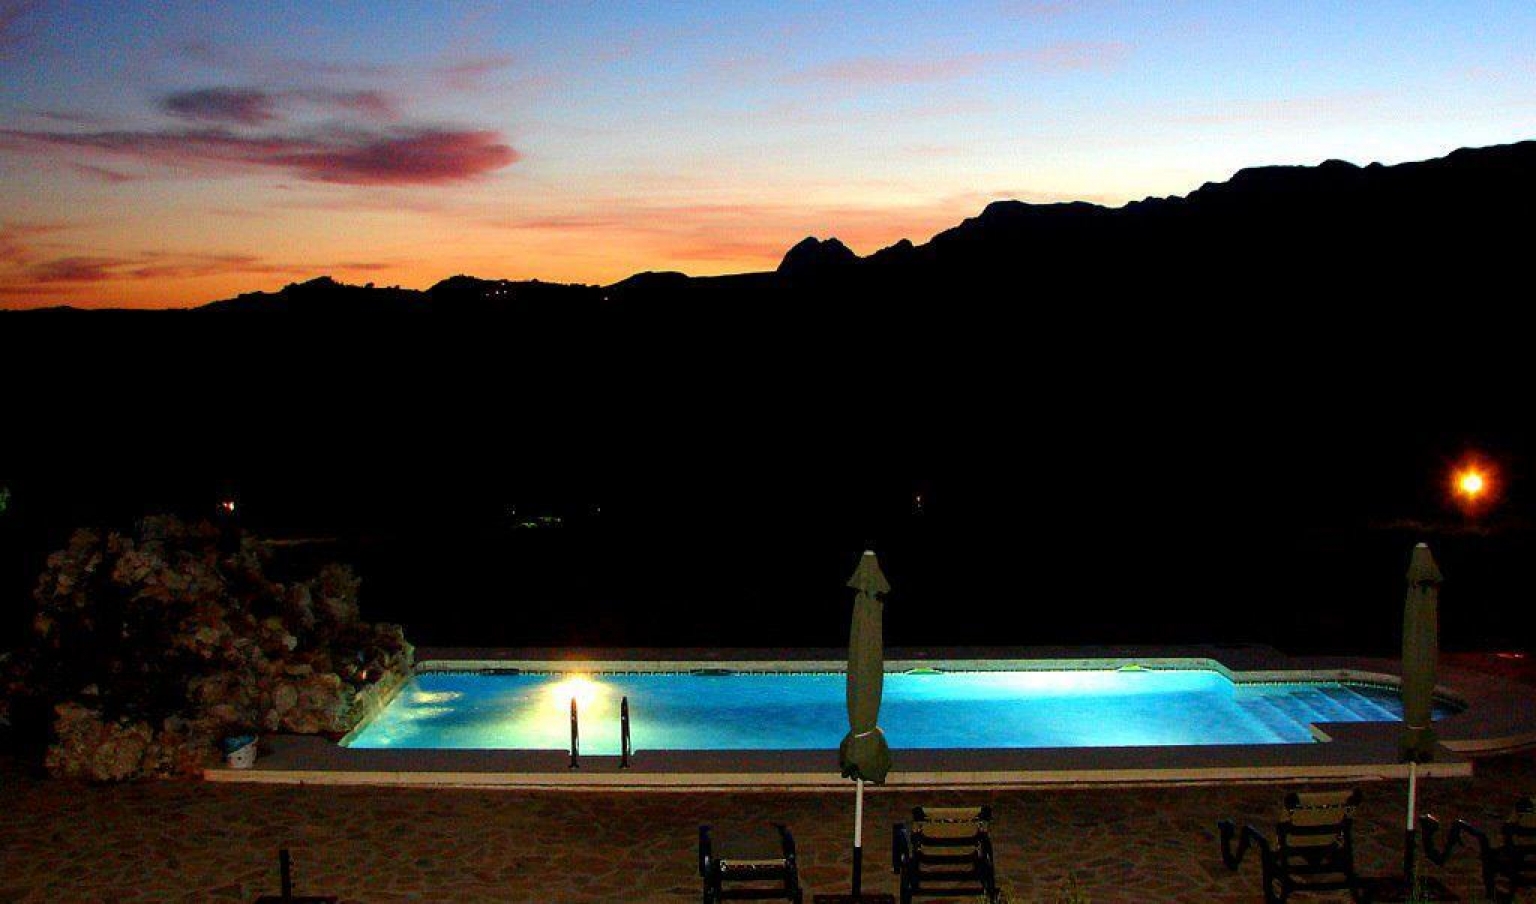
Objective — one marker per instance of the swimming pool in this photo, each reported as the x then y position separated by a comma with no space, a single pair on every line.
805,711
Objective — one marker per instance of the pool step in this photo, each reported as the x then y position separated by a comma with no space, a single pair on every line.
1298,710
1327,708
1301,707
1276,719
1371,708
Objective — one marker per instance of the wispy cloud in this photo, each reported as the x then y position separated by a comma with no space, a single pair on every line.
12,249
259,106
70,117
18,241
1323,108
316,133
346,157
1043,9
104,174
898,70
892,70
459,72
27,277
749,233
1078,56
150,265
12,16
243,106
470,74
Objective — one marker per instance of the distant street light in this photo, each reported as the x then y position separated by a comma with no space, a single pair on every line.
1473,485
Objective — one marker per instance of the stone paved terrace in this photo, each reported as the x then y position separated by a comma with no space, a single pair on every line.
200,841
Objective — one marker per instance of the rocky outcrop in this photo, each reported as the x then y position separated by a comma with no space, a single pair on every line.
814,256
88,745
148,647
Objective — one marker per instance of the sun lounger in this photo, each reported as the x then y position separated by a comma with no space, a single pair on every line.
1508,866
945,851
1314,847
752,864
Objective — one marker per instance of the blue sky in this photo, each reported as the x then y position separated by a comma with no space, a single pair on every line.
168,153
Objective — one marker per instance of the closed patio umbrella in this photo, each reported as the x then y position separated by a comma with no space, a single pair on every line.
1421,649
863,755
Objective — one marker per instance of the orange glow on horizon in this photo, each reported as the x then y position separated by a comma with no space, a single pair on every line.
269,249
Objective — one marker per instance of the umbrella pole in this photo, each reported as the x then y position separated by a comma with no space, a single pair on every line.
1408,829
858,838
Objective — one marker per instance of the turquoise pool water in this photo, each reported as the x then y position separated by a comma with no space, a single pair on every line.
745,711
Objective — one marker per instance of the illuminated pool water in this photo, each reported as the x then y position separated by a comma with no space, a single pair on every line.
745,711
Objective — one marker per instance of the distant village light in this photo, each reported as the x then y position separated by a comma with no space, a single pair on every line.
227,506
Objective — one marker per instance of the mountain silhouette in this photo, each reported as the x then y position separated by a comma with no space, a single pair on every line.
1325,300
1327,226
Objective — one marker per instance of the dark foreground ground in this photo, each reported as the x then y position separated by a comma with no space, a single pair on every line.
193,841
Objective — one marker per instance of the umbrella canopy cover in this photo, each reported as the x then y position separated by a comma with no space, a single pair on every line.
864,754
1421,649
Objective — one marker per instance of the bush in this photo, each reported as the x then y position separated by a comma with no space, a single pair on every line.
147,647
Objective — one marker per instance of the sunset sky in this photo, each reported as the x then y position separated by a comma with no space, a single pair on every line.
167,153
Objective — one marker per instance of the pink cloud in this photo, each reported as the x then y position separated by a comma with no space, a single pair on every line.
401,157
75,270
424,158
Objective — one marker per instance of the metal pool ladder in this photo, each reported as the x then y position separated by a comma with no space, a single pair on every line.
624,746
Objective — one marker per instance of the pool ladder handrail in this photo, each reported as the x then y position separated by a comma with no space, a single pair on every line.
624,746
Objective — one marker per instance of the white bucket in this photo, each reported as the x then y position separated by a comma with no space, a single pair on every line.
242,758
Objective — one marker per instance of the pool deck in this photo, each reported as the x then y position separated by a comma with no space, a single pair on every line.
200,841
1500,717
